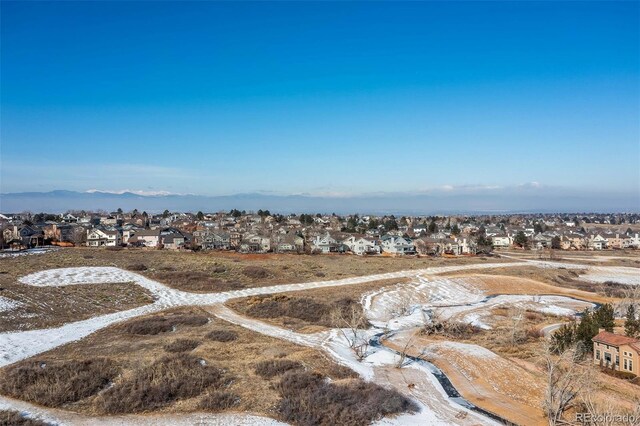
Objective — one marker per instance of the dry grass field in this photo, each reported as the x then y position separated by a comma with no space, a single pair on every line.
185,360
307,312
152,369
560,278
41,307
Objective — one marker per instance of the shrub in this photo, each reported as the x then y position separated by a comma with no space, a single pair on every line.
309,399
182,345
256,272
302,308
533,316
196,281
276,367
137,267
222,335
157,325
114,248
14,418
219,401
452,329
161,383
55,383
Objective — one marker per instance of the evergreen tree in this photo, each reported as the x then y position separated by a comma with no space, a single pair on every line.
604,317
200,216
521,239
632,323
433,228
391,225
587,329
564,337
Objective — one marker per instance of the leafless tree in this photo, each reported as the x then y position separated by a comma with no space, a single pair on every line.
401,305
567,377
351,321
403,352
516,332
78,236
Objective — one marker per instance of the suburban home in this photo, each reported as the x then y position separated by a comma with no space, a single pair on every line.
573,241
146,238
617,352
102,237
24,236
466,246
361,245
173,240
597,242
501,241
615,241
290,242
397,245
253,243
69,218
324,243
428,246
209,240
632,241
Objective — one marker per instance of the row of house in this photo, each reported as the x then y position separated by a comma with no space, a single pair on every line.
362,235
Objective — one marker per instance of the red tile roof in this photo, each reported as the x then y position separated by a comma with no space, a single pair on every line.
613,339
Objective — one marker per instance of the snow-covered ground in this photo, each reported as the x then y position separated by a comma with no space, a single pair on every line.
404,303
28,252
412,304
618,274
8,304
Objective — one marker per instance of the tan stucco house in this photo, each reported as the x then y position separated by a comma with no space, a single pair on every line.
618,352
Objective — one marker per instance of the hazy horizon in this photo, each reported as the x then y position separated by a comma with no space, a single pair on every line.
537,101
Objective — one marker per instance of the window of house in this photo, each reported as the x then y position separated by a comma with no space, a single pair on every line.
617,360
607,357
624,364
597,354
630,365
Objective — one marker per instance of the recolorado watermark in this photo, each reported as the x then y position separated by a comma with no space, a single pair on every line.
607,418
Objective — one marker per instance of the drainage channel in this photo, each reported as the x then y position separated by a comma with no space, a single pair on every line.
444,381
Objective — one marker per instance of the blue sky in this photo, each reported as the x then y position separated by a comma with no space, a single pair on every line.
321,98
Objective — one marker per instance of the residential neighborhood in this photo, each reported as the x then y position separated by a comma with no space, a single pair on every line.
362,235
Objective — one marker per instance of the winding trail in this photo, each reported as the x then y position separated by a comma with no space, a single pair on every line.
18,345
378,366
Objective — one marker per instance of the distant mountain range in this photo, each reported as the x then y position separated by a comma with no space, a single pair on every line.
392,203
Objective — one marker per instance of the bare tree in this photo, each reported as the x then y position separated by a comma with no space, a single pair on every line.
516,331
403,352
351,321
567,377
78,236
401,305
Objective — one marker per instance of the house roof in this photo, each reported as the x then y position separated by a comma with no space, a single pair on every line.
613,339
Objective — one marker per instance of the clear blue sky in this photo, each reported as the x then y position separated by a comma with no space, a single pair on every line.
321,98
